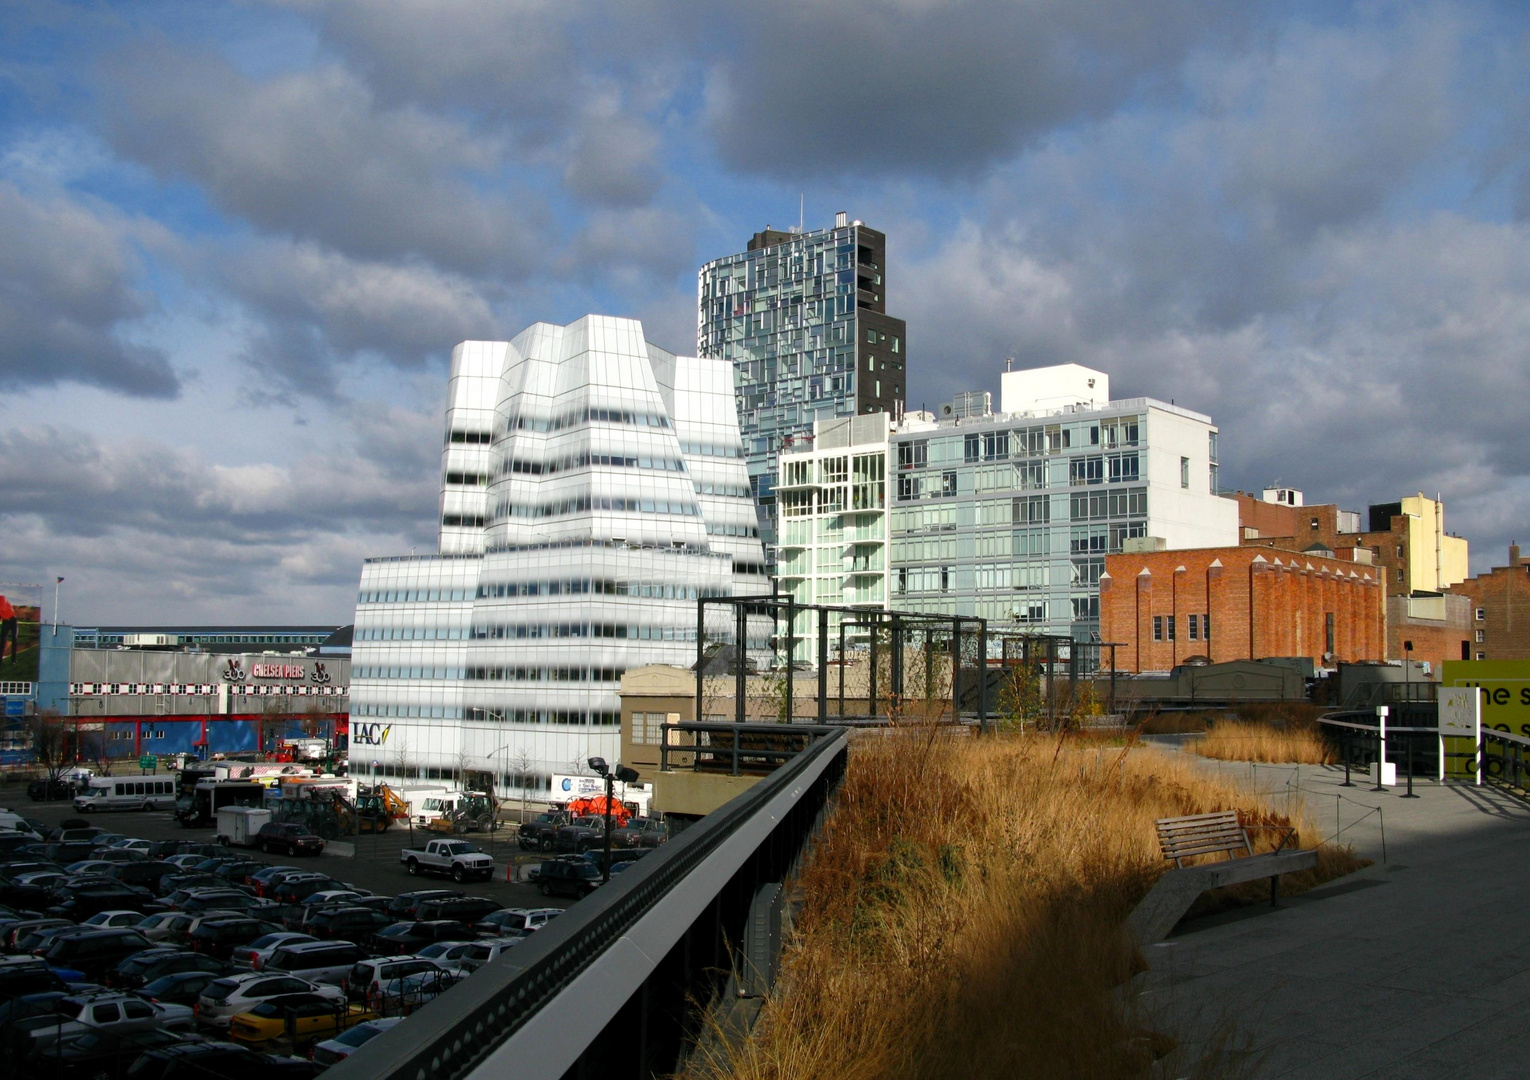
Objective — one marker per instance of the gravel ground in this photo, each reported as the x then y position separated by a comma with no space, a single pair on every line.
374,867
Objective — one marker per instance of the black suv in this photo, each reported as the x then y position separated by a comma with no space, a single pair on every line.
581,834
150,964
405,904
468,909
47,790
569,877
288,837
95,953
217,937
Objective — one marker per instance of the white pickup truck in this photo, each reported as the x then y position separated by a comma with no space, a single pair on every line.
456,858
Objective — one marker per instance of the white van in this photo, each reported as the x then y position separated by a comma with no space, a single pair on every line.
127,793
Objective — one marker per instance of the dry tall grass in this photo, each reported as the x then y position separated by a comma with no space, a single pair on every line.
962,916
1241,741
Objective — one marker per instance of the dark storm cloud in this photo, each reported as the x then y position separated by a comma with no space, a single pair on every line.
69,288
312,155
313,309
933,87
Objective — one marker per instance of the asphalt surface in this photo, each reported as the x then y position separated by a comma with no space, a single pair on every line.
375,866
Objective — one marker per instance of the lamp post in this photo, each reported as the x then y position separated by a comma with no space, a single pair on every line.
494,808
626,776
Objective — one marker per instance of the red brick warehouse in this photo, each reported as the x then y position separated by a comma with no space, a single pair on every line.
1165,607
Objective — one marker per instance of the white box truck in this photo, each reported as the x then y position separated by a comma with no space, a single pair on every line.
238,826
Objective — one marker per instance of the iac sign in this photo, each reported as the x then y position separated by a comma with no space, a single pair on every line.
370,734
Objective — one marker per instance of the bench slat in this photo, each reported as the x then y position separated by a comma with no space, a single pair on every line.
1215,815
1202,834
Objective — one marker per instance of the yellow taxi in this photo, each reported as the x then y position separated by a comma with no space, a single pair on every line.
301,1018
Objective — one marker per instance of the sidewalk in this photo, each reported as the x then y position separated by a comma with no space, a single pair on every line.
1416,967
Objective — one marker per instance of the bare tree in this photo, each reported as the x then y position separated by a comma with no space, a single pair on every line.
400,743
521,762
50,745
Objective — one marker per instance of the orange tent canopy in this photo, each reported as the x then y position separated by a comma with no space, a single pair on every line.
595,805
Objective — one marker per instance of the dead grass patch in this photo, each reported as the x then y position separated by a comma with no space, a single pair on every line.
1265,741
963,915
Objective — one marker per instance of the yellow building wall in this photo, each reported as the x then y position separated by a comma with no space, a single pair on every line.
1436,561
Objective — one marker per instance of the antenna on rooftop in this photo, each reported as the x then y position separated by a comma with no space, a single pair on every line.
801,210
1009,364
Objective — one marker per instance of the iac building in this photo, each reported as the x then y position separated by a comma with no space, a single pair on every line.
593,487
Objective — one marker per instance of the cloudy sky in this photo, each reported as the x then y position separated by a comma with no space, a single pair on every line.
238,240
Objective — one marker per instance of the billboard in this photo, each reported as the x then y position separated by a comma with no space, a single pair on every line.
1503,686
20,626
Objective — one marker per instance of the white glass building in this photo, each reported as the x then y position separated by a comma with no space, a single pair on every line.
593,488
1004,515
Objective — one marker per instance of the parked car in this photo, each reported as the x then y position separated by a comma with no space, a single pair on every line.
479,953
18,930
166,926
368,977
95,952
260,879
108,1013
640,832
248,957
324,962
581,834
31,890
85,898
289,838
144,967
297,887
49,790
567,877
114,918
223,900
27,975
146,874
226,997
412,991
97,1055
406,904
180,988
457,859
468,909
537,834
302,1018
349,923
516,921
218,1061
218,937
129,843
342,1046
402,939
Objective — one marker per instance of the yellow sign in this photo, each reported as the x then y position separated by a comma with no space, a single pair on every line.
1502,685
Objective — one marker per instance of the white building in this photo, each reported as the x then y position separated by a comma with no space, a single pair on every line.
593,488
1004,515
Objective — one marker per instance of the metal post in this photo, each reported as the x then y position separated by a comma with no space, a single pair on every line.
983,677
791,647
842,665
823,664
871,691
896,644
740,686
701,660
1381,747
1346,748
956,670
736,730
1410,794
605,870
929,663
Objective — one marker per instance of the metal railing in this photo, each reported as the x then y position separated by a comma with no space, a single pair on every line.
1498,756
736,749
611,988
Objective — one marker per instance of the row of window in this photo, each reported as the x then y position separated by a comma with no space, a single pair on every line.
597,587
568,717
519,467
733,530
582,503
471,521
520,422
1199,627
1022,442
538,631
468,479
696,449
472,438
1096,468
1098,505
413,596
489,674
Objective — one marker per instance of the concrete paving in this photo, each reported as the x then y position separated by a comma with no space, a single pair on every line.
1416,967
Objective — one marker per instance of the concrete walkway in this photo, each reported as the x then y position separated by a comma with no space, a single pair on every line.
1416,967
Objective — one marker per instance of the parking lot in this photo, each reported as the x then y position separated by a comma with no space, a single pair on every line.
375,866
99,976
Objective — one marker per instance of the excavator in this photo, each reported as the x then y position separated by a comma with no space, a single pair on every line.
330,814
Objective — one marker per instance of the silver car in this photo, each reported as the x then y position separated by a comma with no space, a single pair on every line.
110,1012
221,1001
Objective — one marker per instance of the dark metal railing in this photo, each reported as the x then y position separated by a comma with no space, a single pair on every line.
612,987
737,748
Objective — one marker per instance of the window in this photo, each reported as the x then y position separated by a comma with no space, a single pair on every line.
1482,614
1399,573
1195,628
1314,524
1184,472
1086,470
1157,627
1481,636
1206,627
1328,632
1482,656
914,455
972,447
948,484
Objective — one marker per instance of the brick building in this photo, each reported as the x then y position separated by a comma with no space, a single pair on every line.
1500,610
1245,603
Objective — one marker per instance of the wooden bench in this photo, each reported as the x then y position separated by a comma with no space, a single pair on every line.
1183,838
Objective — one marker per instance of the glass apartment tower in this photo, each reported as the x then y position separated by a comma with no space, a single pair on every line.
593,488
802,317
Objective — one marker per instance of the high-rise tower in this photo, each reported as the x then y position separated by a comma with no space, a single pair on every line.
803,319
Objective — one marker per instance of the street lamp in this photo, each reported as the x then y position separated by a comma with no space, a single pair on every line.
626,776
